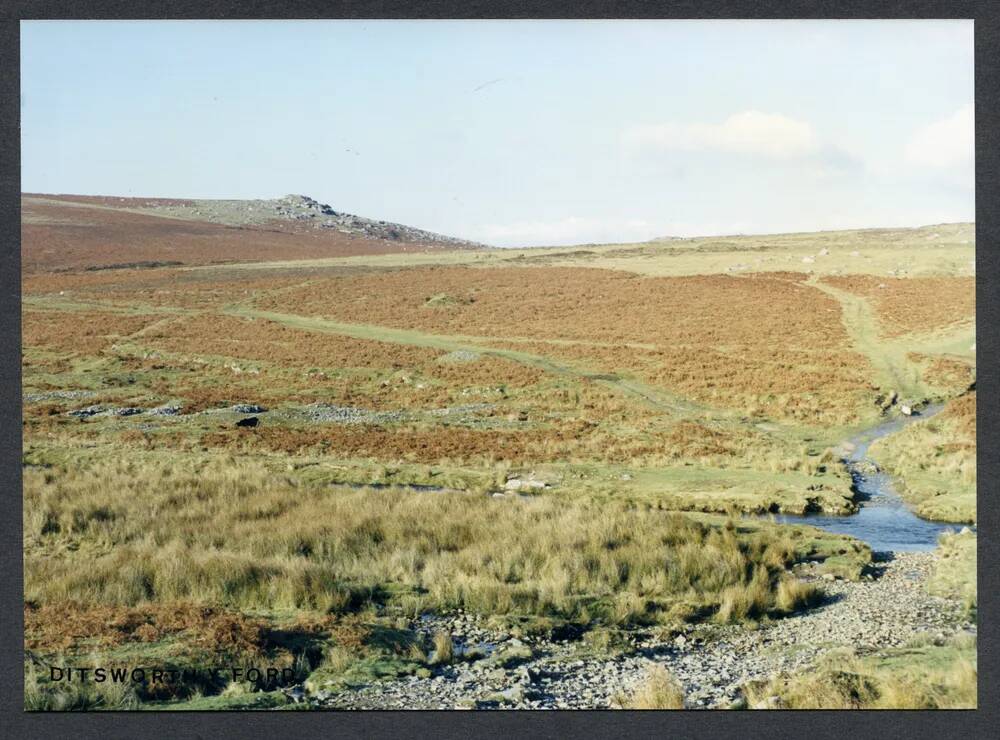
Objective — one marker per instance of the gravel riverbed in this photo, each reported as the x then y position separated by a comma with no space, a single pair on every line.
712,662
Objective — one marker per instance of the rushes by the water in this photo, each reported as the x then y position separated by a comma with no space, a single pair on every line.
444,649
232,533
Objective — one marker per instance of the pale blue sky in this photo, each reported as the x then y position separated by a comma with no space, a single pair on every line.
516,132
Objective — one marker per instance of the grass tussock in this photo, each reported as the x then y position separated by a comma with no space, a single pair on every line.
934,461
41,696
761,597
794,595
231,533
444,648
915,677
954,574
659,690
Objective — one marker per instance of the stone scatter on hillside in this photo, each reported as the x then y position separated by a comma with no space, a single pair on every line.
298,212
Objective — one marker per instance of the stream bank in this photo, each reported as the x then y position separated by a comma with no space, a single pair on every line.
883,520
889,607
712,662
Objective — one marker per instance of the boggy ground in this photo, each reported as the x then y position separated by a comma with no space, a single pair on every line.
552,441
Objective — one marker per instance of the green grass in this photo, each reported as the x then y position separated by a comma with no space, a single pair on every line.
881,250
659,690
237,702
954,575
380,653
41,695
763,480
233,533
888,358
656,397
934,464
918,676
758,481
606,548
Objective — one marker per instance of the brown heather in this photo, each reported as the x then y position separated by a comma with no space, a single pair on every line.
917,304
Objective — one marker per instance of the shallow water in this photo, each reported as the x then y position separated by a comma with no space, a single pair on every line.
884,521
417,487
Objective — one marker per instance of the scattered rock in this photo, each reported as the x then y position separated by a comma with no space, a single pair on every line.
713,663
56,396
165,411
127,411
300,212
248,408
866,467
87,412
512,654
518,484
330,413
515,694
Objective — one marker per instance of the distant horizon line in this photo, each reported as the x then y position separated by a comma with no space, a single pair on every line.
664,237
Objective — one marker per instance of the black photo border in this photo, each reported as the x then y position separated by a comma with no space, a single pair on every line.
15,723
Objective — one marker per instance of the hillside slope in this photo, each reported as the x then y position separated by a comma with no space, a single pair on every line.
100,232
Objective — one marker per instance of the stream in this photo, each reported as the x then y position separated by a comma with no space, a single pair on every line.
884,520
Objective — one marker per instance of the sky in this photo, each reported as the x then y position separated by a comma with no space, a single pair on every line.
516,133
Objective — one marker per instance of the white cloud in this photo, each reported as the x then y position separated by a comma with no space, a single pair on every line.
946,143
750,132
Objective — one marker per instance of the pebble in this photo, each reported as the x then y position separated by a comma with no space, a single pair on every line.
712,662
